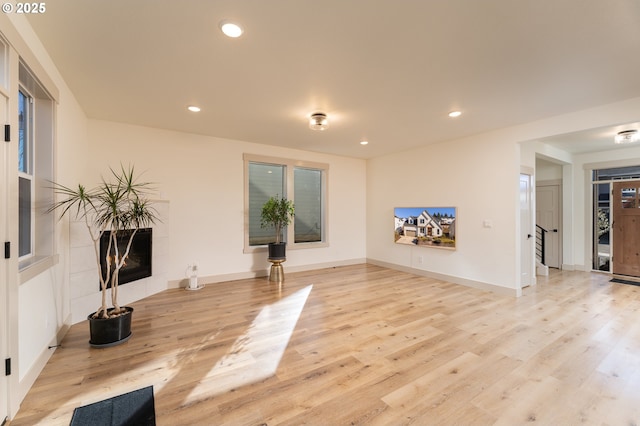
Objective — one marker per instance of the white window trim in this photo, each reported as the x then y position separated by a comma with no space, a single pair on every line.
290,164
42,130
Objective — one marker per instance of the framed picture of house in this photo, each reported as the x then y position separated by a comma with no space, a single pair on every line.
425,226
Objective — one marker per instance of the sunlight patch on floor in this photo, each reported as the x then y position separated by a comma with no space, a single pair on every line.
256,354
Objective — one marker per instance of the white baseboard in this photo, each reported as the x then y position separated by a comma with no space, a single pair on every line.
211,279
583,268
449,278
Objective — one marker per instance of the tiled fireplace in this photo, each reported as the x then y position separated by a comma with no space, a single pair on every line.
84,283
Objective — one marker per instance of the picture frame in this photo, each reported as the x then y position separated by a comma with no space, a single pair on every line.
425,226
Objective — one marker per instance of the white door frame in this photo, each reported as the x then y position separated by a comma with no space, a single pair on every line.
4,263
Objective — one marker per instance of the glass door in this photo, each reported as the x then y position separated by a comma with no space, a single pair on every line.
602,227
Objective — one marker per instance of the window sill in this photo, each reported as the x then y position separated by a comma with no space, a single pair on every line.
296,246
30,268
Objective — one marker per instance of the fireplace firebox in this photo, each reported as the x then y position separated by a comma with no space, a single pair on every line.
138,264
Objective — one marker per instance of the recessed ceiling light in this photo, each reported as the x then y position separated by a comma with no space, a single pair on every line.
230,29
454,114
364,142
193,108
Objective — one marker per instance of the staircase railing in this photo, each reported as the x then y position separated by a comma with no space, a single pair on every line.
541,236
540,243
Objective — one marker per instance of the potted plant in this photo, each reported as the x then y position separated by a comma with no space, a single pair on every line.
109,209
277,212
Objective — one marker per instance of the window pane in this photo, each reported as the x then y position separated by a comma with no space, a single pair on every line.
601,225
308,204
265,181
628,198
630,172
23,146
24,216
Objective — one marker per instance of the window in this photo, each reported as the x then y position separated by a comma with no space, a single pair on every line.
302,182
35,169
25,174
307,186
265,181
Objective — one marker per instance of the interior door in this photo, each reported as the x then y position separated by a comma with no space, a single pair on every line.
626,228
4,278
526,259
548,217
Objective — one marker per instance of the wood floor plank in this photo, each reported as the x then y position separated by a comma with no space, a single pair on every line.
363,344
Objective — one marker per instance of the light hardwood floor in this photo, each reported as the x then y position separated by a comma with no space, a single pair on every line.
364,345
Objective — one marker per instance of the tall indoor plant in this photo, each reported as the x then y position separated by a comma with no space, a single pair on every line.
114,206
278,213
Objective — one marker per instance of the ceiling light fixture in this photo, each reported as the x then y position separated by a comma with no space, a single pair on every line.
230,29
318,121
454,114
627,136
193,108
364,142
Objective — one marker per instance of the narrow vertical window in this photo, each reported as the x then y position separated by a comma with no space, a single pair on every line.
308,205
25,175
265,181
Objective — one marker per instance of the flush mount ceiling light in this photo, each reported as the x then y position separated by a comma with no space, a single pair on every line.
318,121
193,108
454,114
230,29
627,136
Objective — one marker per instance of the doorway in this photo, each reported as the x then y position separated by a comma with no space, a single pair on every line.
614,191
548,214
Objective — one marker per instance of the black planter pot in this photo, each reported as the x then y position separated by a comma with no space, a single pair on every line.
277,251
106,332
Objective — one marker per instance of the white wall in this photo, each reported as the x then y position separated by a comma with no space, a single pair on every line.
203,179
39,322
478,176
546,171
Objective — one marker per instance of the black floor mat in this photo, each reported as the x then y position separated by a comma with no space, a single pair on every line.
133,408
621,281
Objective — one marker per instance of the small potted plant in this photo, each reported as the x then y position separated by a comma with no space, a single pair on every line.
109,209
277,212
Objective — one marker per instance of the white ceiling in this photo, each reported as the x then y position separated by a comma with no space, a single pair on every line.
592,140
387,71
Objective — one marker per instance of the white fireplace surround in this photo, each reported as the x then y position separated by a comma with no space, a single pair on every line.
84,281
